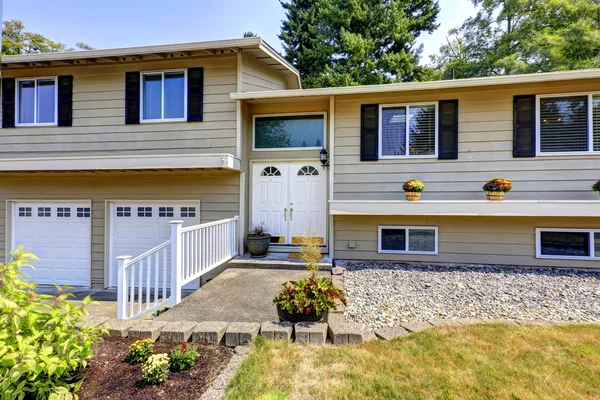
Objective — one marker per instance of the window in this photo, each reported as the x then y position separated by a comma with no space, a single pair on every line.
165,211
163,96
308,170
83,212
270,171
123,211
44,212
63,212
24,211
408,239
408,130
144,211
189,212
289,132
569,124
36,101
568,243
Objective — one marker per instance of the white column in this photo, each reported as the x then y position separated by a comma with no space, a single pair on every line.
122,285
175,262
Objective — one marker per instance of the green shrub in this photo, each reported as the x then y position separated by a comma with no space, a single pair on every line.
156,369
309,296
139,351
41,347
183,358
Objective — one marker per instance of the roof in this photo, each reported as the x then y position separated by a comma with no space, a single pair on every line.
254,46
430,85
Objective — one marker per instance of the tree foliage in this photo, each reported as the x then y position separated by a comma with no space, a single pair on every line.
523,36
16,40
356,42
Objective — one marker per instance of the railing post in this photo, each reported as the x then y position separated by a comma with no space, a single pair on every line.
234,241
175,262
123,262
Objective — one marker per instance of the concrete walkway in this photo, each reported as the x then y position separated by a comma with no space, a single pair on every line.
236,295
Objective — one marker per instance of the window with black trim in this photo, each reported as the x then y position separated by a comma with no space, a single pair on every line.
188,212
63,212
123,211
165,211
24,211
408,130
36,101
44,212
568,243
163,96
408,239
83,212
144,211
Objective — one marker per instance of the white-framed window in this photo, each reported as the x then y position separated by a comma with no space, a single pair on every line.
407,239
567,243
163,96
36,101
568,123
298,131
408,130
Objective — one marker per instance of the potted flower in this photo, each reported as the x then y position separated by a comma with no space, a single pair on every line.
413,189
258,240
495,188
308,299
596,187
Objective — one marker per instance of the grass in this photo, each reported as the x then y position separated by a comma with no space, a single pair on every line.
488,361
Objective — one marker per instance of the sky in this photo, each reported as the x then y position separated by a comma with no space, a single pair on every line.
123,23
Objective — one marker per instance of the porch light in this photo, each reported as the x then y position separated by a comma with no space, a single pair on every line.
324,158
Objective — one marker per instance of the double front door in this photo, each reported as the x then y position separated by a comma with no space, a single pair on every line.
290,198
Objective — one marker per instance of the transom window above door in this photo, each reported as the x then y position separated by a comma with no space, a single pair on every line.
36,101
308,170
569,124
270,171
408,130
300,132
163,96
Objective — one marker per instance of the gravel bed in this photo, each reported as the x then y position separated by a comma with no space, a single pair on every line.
387,294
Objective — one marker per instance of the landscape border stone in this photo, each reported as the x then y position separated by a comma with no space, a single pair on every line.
210,332
277,330
241,333
177,331
311,332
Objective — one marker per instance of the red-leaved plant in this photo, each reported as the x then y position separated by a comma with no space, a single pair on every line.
309,296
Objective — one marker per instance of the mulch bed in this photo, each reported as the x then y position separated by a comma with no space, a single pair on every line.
108,376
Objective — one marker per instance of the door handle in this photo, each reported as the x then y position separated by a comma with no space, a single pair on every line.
291,213
285,214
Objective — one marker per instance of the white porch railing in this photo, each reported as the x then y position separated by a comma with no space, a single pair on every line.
156,277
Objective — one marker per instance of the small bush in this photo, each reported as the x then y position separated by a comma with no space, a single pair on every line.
183,358
310,251
41,347
156,369
139,351
307,296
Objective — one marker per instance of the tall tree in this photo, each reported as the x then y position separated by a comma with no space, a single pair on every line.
356,42
16,40
523,36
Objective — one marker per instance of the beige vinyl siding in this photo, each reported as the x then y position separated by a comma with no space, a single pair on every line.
256,76
99,115
469,240
217,191
485,151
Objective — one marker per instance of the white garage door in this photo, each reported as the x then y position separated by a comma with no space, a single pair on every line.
138,227
60,235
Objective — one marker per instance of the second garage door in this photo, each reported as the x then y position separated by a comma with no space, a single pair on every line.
138,227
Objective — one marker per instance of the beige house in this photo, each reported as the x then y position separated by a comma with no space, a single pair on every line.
101,149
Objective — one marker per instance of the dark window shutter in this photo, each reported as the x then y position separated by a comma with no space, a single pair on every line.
369,132
132,97
448,130
8,102
195,92
524,126
65,100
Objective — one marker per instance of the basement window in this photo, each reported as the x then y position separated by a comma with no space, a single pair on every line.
568,243
408,239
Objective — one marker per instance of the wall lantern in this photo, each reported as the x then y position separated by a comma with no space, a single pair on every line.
324,158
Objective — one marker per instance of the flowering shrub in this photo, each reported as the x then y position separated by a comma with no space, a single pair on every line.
183,358
498,185
309,295
413,185
596,186
156,369
139,351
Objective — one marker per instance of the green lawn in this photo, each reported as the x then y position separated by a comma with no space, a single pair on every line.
463,362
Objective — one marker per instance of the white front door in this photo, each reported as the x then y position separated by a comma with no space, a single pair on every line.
138,227
60,235
290,198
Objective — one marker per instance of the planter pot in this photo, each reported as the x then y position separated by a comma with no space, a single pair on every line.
494,196
598,192
412,196
285,316
258,246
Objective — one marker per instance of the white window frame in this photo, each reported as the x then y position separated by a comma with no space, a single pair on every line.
590,125
407,133
538,244
307,114
18,102
162,96
406,244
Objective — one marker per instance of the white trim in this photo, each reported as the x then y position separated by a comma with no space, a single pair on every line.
323,142
590,125
407,228
162,93
331,173
407,130
162,161
17,102
591,233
